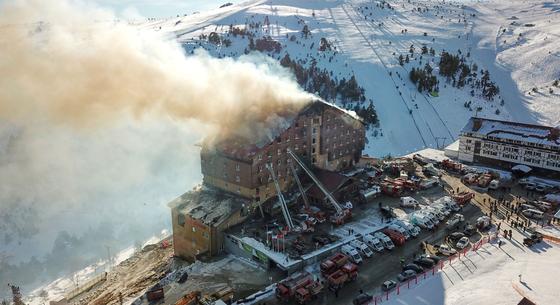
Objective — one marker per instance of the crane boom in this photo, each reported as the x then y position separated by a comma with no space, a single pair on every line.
317,182
283,205
305,201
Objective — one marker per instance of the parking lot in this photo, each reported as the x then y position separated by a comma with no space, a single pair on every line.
387,265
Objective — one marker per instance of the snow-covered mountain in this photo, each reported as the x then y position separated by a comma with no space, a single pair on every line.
516,42
348,51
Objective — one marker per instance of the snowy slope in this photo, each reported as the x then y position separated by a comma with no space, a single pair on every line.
369,37
491,276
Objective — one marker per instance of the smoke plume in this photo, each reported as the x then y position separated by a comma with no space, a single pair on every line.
75,63
98,122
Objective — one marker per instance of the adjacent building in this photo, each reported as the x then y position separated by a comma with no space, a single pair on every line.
324,135
199,218
506,144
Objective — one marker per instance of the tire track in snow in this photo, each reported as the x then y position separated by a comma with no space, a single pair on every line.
387,70
431,106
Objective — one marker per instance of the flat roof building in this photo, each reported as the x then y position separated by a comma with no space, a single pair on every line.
506,144
198,219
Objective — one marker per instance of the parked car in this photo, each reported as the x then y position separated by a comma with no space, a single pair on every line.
446,250
373,242
352,253
400,229
385,240
456,219
362,248
183,278
413,267
456,236
406,275
530,186
541,187
462,243
388,285
469,230
362,299
424,262
543,205
431,257
409,202
532,213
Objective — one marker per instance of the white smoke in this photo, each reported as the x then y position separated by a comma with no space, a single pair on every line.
99,121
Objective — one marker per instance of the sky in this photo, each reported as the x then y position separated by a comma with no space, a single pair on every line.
160,8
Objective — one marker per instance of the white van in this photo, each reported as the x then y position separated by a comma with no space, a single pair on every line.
352,253
422,221
373,242
442,209
385,240
452,205
413,231
532,213
403,231
361,247
431,216
409,202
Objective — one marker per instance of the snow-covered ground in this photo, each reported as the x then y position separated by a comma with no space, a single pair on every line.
368,38
491,276
517,41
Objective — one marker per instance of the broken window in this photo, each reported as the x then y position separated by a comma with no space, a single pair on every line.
181,220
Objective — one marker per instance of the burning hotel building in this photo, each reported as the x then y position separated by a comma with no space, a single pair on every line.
323,135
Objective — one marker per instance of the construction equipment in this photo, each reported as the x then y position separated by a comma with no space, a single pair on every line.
341,214
281,199
314,211
298,182
301,286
